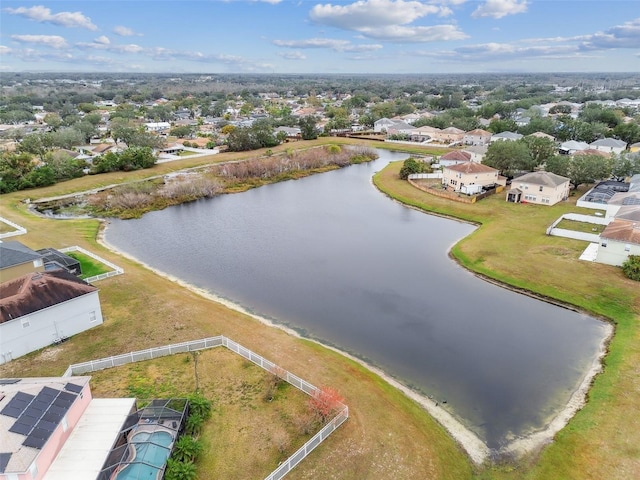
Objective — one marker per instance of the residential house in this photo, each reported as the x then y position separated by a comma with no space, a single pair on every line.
469,177
505,136
423,134
542,188
382,125
17,259
292,133
592,151
609,145
570,147
621,237
454,157
477,152
542,135
400,127
450,135
477,137
157,126
40,309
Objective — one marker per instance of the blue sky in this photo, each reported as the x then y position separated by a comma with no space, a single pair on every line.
308,36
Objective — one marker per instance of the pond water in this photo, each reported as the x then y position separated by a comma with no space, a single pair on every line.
333,258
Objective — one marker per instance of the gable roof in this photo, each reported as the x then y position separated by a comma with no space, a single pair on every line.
546,179
478,132
609,142
35,291
593,151
507,135
471,167
622,231
456,155
15,253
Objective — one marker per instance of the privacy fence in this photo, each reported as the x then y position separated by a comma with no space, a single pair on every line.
211,342
553,230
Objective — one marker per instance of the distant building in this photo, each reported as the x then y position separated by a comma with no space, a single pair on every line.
17,259
542,188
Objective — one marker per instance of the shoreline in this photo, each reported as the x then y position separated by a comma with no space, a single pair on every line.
476,449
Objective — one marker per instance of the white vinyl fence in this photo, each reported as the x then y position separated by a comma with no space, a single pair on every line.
116,270
18,229
211,342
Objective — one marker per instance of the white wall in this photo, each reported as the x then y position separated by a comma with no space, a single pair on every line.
614,253
40,329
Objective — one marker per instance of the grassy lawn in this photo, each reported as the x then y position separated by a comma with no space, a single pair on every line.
247,434
6,228
88,265
580,226
186,153
603,439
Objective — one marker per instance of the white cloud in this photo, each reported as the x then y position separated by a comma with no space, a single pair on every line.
43,14
295,55
330,43
53,41
400,33
125,31
370,14
100,44
500,8
626,35
4,50
103,40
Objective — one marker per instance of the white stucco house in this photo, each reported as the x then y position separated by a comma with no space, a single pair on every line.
469,177
43,308
506,136
621,237
609,145
542,188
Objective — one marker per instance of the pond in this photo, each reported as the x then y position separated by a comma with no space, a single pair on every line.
336,260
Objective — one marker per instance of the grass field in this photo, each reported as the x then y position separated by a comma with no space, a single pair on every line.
580,226
387,435
88,265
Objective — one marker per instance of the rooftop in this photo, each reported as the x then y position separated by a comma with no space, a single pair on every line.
472,167
546,179
15,253
34,291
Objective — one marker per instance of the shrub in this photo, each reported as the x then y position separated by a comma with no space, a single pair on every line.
631,268
325,402
411,166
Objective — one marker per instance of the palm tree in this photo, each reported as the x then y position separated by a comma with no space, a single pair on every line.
186,449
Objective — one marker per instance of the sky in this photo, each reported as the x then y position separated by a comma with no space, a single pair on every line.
330,37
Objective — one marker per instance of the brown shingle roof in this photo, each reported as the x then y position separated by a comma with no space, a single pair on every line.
471,167
622,231
456,155
35,291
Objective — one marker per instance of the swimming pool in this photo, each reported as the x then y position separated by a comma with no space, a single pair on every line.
152,451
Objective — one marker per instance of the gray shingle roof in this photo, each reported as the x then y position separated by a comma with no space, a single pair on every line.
14,253
546,179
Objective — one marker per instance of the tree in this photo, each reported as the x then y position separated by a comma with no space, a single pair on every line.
411,166
509,157
625,165
64,166
13,168
558,164
628,132
308,127
502,125
33,144
631,267
182,131
53,120
588,169
541,148
325,402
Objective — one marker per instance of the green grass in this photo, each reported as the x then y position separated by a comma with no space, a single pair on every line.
89,266
510,246
581,226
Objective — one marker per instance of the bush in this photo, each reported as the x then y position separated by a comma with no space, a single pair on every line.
411,166
631,268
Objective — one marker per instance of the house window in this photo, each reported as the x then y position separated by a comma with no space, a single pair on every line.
37,263
33,470
92,317
25,323
541,187
64,423
627,248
